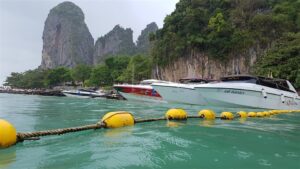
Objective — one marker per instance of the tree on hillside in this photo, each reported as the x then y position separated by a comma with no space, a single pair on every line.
15,80
29,79
57,76
101,76
117,66
223,29
81,73
139,68
283,60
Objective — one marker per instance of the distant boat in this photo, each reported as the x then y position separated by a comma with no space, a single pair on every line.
241,91
83,93
140,92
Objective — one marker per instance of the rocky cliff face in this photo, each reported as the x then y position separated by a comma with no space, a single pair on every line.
66,38
143,43
200,65
119,41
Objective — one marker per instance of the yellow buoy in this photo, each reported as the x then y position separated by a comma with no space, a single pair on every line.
267,113
227,115
242,114
176,114
117,119
207,114
260,114
272,112
251,114
8,134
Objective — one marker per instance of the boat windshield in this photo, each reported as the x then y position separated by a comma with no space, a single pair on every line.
275,83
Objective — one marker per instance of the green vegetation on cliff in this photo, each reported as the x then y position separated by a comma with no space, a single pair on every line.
223,29
283,60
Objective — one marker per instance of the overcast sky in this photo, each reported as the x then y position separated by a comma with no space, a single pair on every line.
22,24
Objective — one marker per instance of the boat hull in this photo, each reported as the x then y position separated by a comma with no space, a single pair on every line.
144,93
237,98
83,94
229,95
143,98
76,95
180,94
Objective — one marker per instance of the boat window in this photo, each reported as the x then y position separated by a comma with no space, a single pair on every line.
264,81
276,84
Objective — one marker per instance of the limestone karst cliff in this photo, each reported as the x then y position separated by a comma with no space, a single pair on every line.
143,44
118,41
66,38
199,64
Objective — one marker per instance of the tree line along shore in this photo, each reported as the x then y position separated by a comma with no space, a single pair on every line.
120,69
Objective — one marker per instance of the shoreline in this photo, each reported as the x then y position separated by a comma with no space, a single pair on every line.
51,92
42,92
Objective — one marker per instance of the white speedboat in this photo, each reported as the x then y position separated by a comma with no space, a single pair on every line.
241,91
83,93
183,92
140,92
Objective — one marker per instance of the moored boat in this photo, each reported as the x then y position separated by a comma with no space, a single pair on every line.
140,92
83,93
183,92
241,91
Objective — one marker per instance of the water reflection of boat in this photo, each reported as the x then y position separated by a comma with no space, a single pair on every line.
83,93
235,92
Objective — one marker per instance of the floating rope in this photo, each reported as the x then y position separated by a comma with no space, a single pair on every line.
9,136
34,135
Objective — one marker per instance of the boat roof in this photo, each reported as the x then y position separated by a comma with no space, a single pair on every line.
150,81
280,84
245,76
194,80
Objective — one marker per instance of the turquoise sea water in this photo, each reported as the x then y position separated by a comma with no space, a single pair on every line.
254,143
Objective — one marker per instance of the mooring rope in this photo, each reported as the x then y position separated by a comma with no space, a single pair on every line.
149,120
34,135
122,119
102,124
